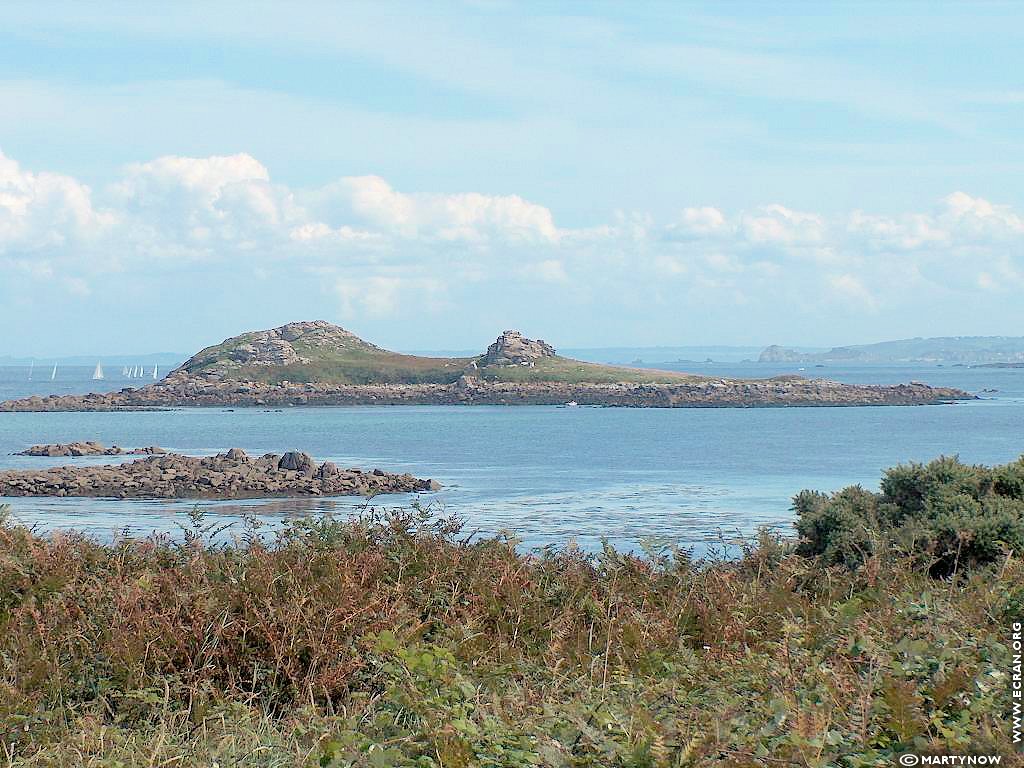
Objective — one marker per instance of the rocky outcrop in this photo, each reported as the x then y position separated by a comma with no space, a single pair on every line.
291,344
512,348
87,448
777,354
231,475
697,392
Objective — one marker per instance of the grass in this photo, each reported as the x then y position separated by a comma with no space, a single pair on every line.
564,369
350,360
394,640
380,367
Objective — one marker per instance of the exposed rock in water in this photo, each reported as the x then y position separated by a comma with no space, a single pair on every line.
88,448
231,475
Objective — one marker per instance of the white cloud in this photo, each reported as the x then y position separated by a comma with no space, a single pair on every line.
204,202
41,211
381,251
383,295
776,224
851,288
548,271
470,217
978,216
699,223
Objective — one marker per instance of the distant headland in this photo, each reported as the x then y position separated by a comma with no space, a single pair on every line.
963,350
317,363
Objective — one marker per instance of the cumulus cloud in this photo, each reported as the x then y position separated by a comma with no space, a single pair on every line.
850,287
46,211
381,295
699,222
777,224
382,251
470,217
204,202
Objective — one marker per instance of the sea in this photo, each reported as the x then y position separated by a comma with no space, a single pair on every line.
699,479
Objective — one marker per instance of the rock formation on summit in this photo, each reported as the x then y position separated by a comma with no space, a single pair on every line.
291,344
512,348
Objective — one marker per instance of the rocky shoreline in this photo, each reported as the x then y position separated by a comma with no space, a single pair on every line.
230,475
87,448
780,391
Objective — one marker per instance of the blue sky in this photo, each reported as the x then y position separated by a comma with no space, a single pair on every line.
429,174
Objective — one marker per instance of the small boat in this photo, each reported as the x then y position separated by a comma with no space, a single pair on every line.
98,373
124,371
31,367
571,404
53,373
154,372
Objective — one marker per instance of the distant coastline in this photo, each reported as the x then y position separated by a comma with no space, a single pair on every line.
1005,351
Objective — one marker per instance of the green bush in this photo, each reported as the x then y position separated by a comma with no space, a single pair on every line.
952,515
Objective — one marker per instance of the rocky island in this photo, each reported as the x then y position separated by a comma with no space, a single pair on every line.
317,364
87,448
230,475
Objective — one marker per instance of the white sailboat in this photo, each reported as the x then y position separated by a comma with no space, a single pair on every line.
98,373
154,372
53,373
124,371
31,367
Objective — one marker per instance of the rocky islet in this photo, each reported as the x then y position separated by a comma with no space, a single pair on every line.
230,475
87,448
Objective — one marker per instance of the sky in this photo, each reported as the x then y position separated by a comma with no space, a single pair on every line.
429,174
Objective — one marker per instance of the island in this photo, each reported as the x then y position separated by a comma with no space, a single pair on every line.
319,364
230,475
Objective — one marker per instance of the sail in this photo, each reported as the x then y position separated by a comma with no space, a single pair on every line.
98,373
31,367
154,372
53,374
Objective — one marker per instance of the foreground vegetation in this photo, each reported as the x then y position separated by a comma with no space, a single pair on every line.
395,641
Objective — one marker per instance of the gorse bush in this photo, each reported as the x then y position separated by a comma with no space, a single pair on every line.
393,640
952,515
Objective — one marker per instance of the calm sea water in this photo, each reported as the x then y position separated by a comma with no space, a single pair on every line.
689,476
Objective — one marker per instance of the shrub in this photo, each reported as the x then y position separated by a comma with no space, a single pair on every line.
393,640
952,515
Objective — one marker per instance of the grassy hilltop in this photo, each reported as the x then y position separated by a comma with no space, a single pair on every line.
324,353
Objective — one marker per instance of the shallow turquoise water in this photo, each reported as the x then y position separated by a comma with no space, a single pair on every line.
554,474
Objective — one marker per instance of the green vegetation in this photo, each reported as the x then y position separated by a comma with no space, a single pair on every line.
362,367
383,367
394,640
332,355
577,372
946,514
